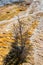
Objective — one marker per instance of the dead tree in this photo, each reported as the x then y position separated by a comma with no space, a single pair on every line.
19,51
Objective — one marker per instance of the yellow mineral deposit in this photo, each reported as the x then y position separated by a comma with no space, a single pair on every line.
8,12
5,45
32,27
